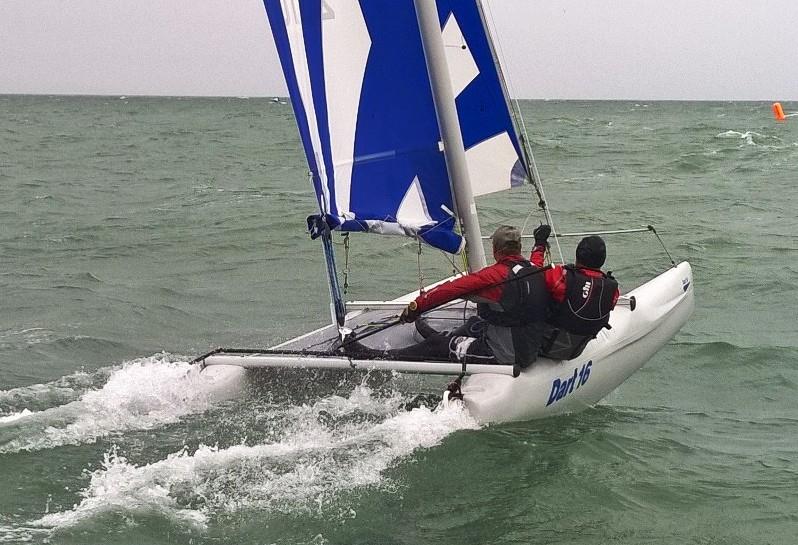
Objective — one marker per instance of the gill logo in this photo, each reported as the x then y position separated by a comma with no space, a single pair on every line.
586,289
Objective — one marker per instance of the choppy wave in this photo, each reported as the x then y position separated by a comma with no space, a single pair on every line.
709,423
140,394
752,138
694,162
334,445
39,397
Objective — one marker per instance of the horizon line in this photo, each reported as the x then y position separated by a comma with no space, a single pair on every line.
284,97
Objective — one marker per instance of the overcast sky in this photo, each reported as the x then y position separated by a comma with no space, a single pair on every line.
600,49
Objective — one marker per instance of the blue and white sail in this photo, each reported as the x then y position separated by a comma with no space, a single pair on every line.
359,87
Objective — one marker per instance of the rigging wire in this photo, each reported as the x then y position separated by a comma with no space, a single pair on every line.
346,270
651,228
515,105
420,272
346,262
450,260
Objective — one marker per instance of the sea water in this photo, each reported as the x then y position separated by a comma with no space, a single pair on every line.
137,233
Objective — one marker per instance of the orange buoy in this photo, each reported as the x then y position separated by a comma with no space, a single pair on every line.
778,112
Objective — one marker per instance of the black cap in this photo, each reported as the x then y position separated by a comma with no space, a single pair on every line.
591,252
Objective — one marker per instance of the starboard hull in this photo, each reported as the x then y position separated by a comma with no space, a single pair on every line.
550,388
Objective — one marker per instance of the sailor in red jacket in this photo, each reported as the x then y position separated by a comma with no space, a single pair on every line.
583,296
511,306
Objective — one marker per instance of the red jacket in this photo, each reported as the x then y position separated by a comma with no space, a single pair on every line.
485,285
555,277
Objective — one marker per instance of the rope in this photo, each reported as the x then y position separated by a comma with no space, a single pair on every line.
346,270
651,228
646,229
450,261
355,338
516,107
612,232
346,262
420,272
453,387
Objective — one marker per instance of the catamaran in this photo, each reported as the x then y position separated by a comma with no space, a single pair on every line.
405,118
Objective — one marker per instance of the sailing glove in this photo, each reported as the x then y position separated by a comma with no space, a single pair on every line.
410,313
541,234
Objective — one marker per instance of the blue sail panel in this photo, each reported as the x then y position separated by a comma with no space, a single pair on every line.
359,86
493,152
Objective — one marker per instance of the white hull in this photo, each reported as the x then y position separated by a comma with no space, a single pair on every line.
492,394
549,388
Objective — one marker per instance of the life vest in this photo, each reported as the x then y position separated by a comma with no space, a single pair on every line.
516,322
579,318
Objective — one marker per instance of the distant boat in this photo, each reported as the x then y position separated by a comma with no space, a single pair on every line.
404,119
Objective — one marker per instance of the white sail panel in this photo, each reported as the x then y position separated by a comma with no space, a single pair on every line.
344,29
292,20
413,211
462,67
491,164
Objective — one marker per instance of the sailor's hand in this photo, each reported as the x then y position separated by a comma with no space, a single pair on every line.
410,313
541,234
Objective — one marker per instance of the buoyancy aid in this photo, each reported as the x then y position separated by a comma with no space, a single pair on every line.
517,320
579,318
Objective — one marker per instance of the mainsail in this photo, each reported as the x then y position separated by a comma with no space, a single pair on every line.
359,87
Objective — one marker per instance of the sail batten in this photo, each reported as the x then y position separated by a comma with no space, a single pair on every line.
359,86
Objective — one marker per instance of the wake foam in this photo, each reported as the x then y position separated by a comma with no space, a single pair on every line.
13,534
334,445
15,416
141,394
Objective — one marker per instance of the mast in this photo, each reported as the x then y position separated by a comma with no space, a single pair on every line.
449,126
